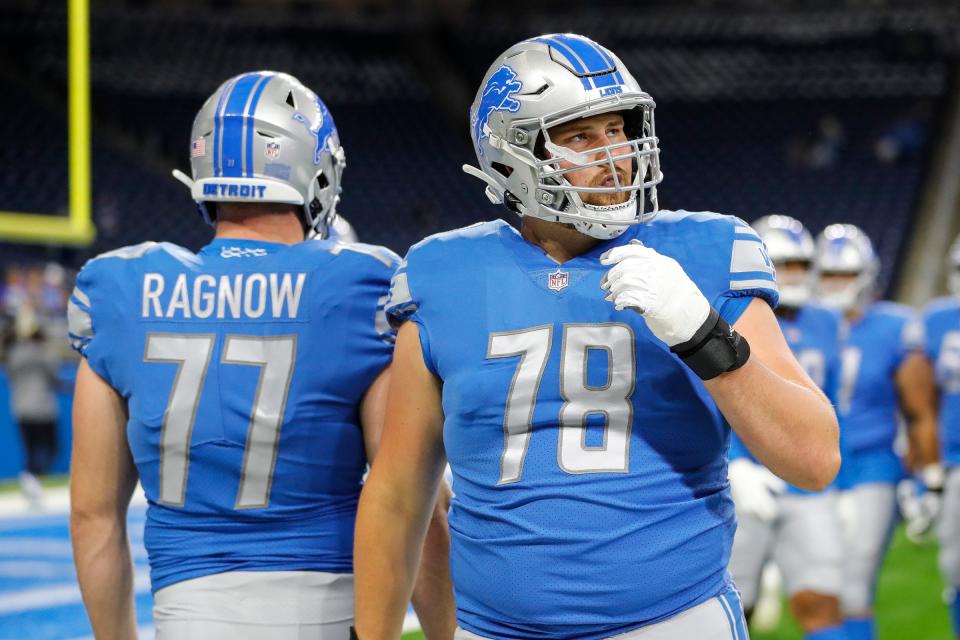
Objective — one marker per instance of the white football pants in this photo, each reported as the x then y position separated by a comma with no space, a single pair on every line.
256,605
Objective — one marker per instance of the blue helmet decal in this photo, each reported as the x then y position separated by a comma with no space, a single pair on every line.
837,245
322,127
496,96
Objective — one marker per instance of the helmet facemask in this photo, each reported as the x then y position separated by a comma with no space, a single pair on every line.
530,157
561,200
795,286
324,194
844,297
845,252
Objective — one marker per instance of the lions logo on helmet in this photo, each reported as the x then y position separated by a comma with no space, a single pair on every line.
242,128
322,128
548,81
495,97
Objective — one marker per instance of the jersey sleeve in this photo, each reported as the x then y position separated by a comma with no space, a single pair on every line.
90,311
373,289
403,304
911,336
751,274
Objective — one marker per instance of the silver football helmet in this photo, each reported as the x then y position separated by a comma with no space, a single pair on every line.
264,137
541,83
953,268
843,249
787,241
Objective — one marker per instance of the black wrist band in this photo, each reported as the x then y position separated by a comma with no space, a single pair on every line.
353,633
714,349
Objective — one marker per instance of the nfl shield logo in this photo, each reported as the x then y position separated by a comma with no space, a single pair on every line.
272,150
558,280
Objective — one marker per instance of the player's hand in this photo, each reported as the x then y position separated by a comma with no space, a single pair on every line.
754,489
657,287
920,501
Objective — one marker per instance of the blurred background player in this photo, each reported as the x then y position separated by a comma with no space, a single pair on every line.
242,384
882,372
796,529
583,393
941,327
34,373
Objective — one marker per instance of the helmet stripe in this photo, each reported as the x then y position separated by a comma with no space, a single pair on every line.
233,116
593,59
250,116
217,124
575,62
609,58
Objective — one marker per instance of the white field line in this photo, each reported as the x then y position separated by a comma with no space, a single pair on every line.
55,501
58,595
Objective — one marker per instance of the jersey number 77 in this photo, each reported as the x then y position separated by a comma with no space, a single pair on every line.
275,356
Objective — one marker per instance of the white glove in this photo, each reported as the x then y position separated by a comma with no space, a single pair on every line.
920,508
657,287
754,489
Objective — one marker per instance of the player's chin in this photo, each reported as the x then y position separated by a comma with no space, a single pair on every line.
605,199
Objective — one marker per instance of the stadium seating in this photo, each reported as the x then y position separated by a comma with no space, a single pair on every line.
757,112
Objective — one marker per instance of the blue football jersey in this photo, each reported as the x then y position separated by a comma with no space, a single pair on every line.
867,402
941,343
243,367
813,335
589,461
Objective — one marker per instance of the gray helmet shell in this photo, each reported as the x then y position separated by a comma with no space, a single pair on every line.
846,249
546,81
787,240
265,137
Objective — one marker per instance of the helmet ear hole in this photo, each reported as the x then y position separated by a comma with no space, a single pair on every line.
322,181
501,168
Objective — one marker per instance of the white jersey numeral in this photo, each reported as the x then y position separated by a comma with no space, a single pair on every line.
948,363
275,356
611,399
814,364
849,370
533,347
191,353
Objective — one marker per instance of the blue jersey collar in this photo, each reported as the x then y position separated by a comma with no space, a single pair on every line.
532,256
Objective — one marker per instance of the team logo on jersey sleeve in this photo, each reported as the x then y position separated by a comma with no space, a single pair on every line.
496,97
558,280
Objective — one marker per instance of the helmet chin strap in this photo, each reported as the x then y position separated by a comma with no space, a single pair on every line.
621,212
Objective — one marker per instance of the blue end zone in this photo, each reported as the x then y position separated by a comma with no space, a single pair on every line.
39,596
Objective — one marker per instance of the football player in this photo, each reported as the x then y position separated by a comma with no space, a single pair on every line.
882,371
796,529
579,375
243,385
941,343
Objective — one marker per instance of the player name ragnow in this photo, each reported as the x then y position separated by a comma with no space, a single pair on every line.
237,296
